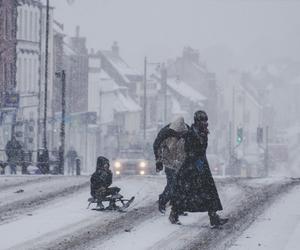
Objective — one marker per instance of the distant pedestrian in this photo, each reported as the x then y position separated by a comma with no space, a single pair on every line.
14,153
71,160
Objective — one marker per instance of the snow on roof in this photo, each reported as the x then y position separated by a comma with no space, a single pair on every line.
68,50
58,27
104,76
104,81
251,96
185,90
124,103
199,67
121,66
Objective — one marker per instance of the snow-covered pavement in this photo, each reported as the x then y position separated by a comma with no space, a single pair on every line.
63,222
158,233
69,214
25,194
278,228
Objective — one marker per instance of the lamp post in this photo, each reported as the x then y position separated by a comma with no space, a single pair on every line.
145,97
62,133
146,63
164,76
43,156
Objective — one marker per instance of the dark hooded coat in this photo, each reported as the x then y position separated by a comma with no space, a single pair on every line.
195,189
102,178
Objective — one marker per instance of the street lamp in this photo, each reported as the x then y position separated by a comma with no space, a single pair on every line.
43,154
61,154
146,63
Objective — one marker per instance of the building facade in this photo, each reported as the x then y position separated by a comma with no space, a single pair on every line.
28,71
31,48
77,74
8,41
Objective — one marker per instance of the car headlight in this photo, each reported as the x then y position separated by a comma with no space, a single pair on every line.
118,173
142,164
142,172
117,164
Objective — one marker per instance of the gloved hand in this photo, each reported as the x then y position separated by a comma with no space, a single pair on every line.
200,165
159,166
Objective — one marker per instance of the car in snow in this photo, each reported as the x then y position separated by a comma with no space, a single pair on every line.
31,169
132,162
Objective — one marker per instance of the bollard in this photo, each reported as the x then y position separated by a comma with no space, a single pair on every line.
78,163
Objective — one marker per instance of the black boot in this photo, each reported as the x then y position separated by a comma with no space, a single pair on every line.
161,206
215,220
173,218
100,205
112,205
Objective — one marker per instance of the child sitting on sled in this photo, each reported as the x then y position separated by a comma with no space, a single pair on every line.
100,182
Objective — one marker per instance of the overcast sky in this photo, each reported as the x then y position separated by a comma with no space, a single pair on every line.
246,30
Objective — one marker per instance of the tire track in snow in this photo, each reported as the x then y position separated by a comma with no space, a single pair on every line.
185,233
11,210
241,217
18,182
100,230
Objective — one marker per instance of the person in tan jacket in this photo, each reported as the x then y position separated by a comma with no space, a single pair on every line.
169,154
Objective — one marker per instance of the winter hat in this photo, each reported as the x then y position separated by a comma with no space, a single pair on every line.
101,161
178,125
200,116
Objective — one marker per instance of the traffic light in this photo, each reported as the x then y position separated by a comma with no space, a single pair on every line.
260,135
239,137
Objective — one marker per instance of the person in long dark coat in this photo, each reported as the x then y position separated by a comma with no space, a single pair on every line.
195,189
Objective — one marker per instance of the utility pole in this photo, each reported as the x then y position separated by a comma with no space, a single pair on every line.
145,98
45,153
164,76
62,125
230,149
267,152
100,121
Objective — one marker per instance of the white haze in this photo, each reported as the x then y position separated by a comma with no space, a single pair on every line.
239,31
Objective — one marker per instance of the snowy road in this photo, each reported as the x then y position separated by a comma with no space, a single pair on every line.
278,228
22,195
63,222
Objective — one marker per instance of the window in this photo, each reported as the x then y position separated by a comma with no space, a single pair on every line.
25,25
5,74
19,72
20,22
31,26
12,82
25,75
7,31
12,29
30,75
1,74
36,27
34,74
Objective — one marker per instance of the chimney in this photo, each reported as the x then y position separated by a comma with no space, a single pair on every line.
77,31
115,48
